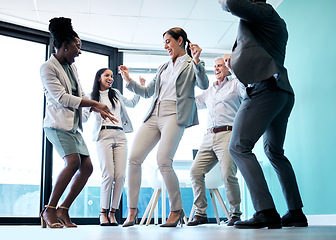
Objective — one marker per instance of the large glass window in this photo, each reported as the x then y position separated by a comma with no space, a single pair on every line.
87,203
21,126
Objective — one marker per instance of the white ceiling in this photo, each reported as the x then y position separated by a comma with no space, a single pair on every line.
132,24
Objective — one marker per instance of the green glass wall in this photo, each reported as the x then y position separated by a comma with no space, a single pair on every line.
311,137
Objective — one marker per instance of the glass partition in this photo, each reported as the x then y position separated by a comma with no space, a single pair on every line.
21,126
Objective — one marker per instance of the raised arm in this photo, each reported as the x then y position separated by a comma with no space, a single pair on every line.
202,80
129,102
143,91
247,10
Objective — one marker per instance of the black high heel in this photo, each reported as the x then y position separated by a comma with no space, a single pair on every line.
174,224
112,223
104,224
135,220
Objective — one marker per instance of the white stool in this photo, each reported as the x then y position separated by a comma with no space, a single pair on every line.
159,187
213,181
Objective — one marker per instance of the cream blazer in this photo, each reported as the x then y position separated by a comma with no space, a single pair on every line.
60,101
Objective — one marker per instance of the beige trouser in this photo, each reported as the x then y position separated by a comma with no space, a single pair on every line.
214,149
112,153
162,125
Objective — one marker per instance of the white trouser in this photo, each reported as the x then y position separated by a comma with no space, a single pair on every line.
112,154
214,149
162,125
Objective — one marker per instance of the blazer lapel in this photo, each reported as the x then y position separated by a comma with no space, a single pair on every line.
234,45
158,80
63,76
75,74
186,63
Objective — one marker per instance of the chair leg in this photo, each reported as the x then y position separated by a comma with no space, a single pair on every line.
156,215
150,204
185,218
214,205
192,212
221,202
156,199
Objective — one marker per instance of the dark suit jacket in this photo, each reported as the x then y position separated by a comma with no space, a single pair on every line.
260,47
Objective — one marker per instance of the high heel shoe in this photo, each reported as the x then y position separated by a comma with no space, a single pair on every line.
62,220
45,223
108,220
174,224
112,223
135,220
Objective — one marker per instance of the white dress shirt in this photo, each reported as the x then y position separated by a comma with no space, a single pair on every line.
222,101
168,79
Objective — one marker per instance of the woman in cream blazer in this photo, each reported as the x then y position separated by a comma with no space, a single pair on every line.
65,98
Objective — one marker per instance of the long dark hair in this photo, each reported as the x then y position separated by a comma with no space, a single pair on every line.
112,95
61,31
177,32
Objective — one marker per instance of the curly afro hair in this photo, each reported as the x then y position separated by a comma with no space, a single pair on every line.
61,31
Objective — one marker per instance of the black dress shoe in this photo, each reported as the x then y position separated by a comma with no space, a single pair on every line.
232,221
197,220
267,218
294,218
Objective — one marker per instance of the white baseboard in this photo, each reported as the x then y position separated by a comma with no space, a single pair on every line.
325,220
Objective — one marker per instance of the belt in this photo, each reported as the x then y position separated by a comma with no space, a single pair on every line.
220,129
111,127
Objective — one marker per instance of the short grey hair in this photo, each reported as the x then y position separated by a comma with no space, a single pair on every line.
222,58
219,58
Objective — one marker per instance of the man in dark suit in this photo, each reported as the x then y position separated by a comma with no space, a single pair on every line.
258,61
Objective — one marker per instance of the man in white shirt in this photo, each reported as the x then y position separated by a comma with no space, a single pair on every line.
222,100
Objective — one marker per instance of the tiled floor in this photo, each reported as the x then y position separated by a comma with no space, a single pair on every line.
203,232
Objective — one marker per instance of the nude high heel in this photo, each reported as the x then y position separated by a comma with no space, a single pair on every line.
45,223
69,225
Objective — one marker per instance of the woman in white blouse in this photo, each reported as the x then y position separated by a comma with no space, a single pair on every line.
111,143
173,109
